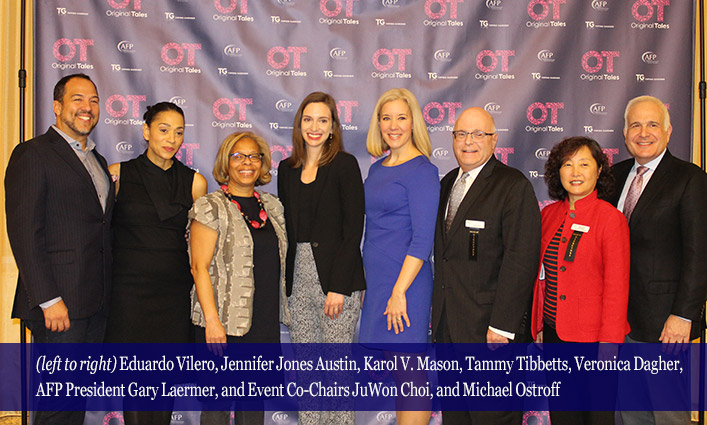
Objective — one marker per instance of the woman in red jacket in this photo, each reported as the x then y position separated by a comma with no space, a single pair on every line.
581,294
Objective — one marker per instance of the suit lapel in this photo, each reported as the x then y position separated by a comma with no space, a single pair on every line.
293,193
322,175
621,171
444,197
472,194
657,181
66,153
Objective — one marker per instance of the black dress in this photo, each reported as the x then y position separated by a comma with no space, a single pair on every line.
150,300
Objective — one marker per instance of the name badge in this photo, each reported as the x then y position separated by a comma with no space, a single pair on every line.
580,228
475,224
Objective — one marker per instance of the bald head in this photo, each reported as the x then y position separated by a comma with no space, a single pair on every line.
477,147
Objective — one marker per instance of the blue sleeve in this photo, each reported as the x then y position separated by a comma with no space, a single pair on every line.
423,195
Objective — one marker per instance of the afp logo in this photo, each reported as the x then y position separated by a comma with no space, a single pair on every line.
280,417
232,50
385,417
283,105
440,153
493,108
442,55
179,101
65,49
503,54
597,109
650,58
598,58
124,148
546,109
542,154
177,51
391,56
546,56
600,5
337,53
295,52
118,105
122,4
540,9
230,106
338,6
440,8
228,6
643,10
126,47
494,4
448,109
390,3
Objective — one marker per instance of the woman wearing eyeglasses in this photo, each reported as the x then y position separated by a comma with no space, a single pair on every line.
238,248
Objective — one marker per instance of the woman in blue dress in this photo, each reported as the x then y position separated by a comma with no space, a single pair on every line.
402,195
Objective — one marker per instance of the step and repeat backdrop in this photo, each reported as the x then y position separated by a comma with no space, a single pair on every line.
544,69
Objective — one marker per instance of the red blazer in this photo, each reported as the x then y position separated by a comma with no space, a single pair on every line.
592,290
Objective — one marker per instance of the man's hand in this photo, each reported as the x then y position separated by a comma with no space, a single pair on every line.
56,317
495,340
675,331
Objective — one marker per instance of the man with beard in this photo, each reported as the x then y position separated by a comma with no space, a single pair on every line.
59,200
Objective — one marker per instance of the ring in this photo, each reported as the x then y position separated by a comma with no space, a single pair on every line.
400,319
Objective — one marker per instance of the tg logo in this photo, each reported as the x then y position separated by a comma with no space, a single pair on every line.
337,8
231,108
191,49
285,52
82,44
390,55
442,8
130,101
503,54
545,5
554,107
599,58
232,4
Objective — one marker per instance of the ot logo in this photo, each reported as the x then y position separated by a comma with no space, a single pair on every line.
120,4
543,108
503,54
191,49
442,8
599,58
337,8
643,10
231,108
124,103
347,107
545,5
82,43
231,6
285,52
390,55
449,107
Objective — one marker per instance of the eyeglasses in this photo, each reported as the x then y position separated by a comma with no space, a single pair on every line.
477,135
240,157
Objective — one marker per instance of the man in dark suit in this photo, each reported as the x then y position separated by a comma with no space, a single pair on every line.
665,201
487,248
59,200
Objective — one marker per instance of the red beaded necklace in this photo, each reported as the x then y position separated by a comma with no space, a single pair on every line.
262,215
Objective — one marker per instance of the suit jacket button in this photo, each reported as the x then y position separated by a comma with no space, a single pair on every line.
315,244
562,297
101,250
571,215
562,268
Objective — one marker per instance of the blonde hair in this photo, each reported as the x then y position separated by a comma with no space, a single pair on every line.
420,138
224,156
